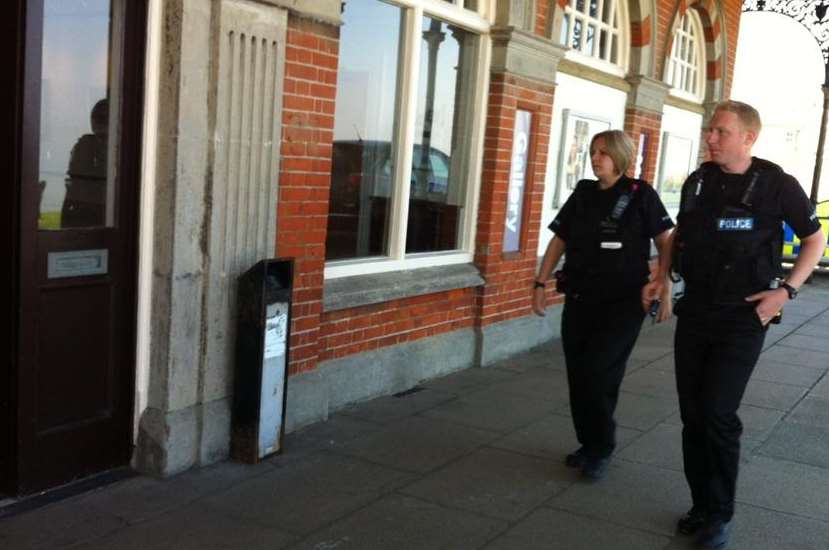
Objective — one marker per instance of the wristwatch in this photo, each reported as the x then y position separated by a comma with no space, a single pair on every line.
790,290
538,284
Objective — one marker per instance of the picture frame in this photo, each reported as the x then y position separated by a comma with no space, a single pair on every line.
577,129
676,162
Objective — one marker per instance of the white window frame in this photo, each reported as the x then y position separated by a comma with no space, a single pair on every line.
618,68
690,29
479,22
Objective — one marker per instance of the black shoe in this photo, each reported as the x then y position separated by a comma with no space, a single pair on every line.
691,522
575,459
595,469
714,534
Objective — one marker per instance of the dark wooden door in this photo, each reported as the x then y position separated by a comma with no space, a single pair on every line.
11,56
78,187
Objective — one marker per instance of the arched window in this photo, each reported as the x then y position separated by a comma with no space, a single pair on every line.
685,70
596,29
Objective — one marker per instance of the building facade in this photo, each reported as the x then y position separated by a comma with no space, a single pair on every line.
407,154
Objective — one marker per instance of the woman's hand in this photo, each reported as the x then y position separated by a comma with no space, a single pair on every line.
650,292
666,309
539,301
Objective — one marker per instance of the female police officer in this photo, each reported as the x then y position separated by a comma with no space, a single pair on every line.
605,227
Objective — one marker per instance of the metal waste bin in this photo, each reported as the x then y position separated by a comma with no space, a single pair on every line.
261,371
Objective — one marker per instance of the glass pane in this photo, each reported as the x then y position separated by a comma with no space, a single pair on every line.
76,176
362,168
580,6
565,28
614,49
439,158
607,10
589,39
603,45
594,8
576,34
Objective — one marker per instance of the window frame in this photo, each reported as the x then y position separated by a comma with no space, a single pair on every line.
622,35
696,35
478,22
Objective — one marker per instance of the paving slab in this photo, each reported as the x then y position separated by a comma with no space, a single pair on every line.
643,412
194,527
653,381
801,341
795,356
785,486
492,409
758,422
404,523
772,395
327,435
307,495
756,528
463,381
811,410
541,384
634,495
389,409
821,389
494,483
661,446
795,442
783,373
418,444
547,529
810,329
553,437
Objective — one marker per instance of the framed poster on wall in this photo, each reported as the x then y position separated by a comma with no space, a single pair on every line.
677,161
574,152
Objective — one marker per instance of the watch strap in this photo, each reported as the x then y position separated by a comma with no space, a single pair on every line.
790,290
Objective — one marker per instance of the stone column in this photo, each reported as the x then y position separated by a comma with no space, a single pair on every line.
643,115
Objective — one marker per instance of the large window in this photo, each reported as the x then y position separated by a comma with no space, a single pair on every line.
685,70
595,31
407,122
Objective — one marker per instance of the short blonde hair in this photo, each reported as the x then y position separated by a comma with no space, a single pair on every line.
747,114
619,148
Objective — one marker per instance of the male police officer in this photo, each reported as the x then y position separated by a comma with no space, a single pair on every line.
727,248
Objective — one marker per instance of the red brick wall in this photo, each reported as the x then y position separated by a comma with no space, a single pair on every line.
305,174
507,294
304,183
367,328
725,15
639,121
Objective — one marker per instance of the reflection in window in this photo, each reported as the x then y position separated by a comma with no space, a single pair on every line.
592,27
362,158
75,165
685,71
438,186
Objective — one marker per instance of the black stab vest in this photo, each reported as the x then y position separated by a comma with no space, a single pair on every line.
607,259
727,249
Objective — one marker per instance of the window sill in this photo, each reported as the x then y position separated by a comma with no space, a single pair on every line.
362,290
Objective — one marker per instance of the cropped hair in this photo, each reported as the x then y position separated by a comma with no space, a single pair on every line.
747,114
619,147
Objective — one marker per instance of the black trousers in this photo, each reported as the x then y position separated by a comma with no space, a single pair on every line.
716,349
597,341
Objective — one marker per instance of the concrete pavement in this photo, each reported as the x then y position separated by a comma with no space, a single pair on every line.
475,460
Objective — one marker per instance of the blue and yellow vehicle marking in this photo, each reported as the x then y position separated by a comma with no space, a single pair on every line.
791,244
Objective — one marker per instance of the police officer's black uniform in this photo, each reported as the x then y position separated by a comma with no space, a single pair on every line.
727,247
607,236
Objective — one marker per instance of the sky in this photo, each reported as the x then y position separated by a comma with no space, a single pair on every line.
782,78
